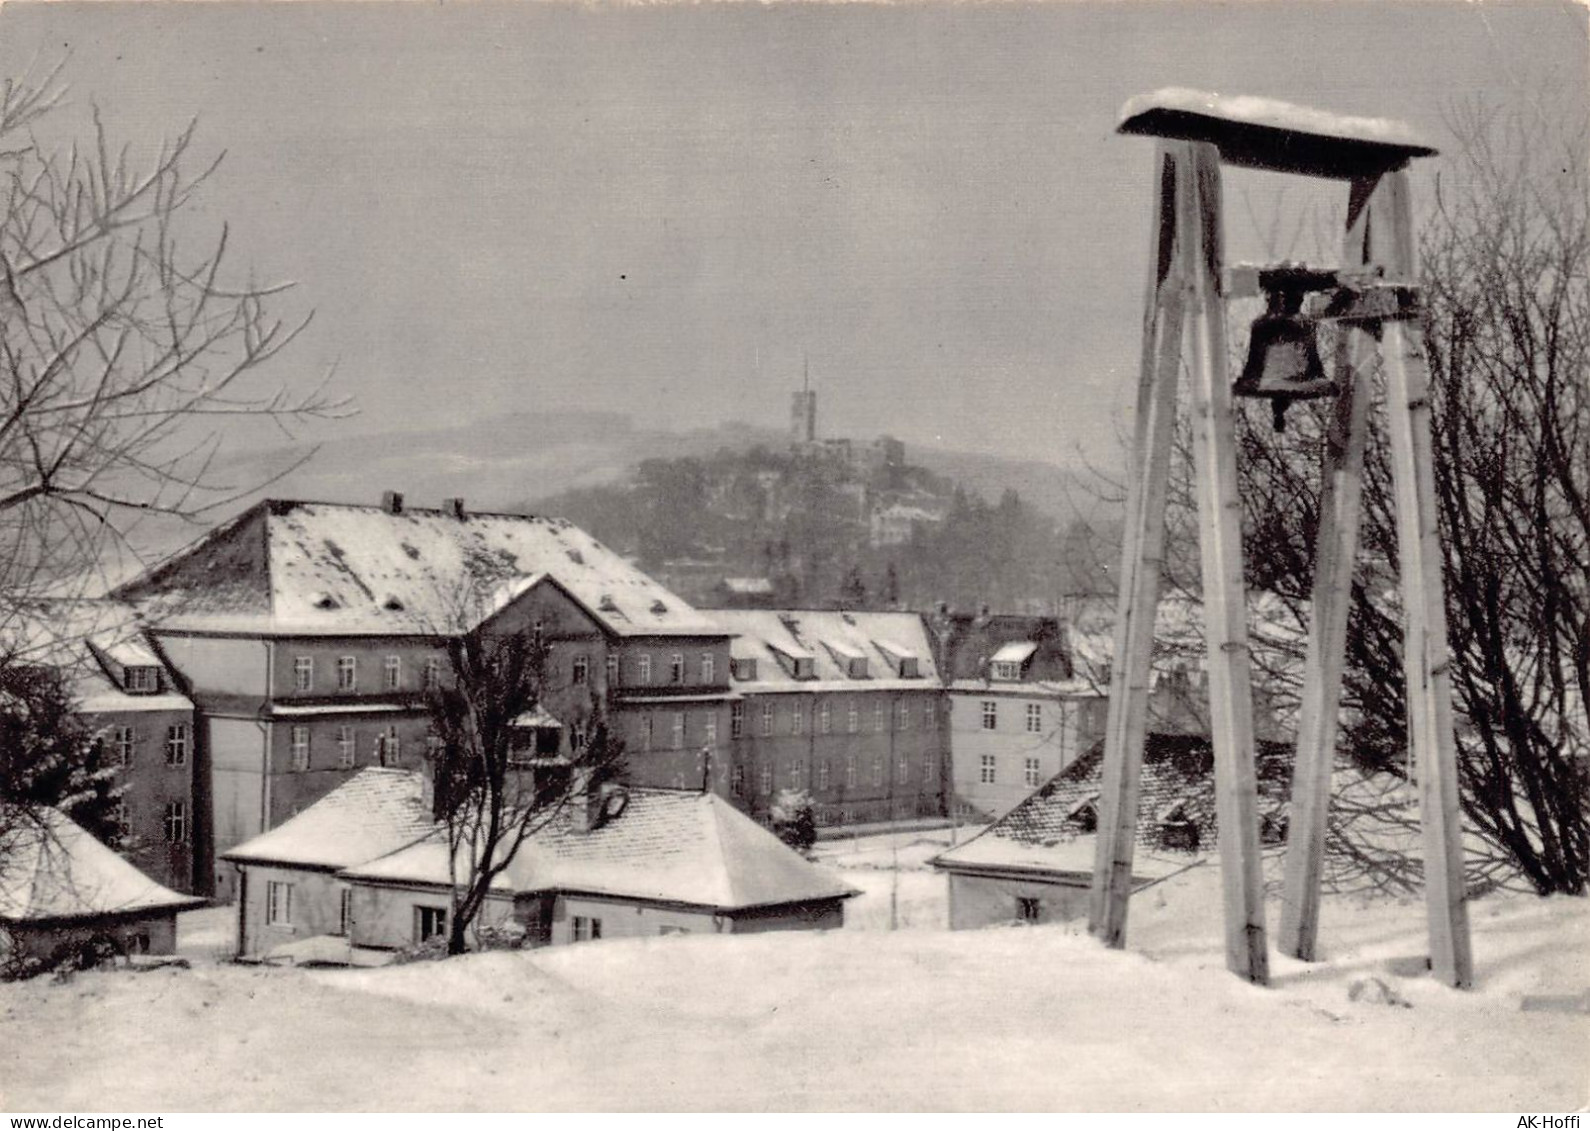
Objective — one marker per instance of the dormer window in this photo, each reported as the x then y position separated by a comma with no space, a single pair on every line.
323,601
909,668
856,667
141,679
743,668
1006,670
805,668
1011,659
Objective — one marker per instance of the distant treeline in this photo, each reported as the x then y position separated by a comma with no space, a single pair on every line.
807,522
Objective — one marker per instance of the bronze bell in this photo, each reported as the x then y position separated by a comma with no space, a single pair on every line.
1283,361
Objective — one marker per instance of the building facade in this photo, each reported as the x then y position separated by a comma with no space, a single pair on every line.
312,638
845,707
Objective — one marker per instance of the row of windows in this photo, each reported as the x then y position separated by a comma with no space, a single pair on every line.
125,740
854,718
1034,724
347,669
988,771
676,673
386,748
824,775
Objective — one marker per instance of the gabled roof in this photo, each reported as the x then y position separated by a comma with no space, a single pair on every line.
668,846
376,811
87,640
297,568
830,639
1177,782
968,644
53,869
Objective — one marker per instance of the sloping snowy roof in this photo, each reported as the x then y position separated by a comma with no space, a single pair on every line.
1015,652
824,636
372,813
332,568
56,870
1177,775
670,846
71,635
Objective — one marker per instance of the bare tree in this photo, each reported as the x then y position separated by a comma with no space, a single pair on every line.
495,784
125,351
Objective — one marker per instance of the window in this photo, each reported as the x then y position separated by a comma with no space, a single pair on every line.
300,748
850,772
990,715
392,673
797,718
679,730
767,719
278,903
902,769
347,673
121,817
1027,908
142,679
905,715
877,717
927,713
586,928
707,667
177,745
434,747
433,672
825,719
711,727
767,777
737,780
581,670
986,769
736,720
175,821
676,668
612,671
877,770
797,774
126,745
303,673
1031,771
645,732
645,669
1035,718
1004,670
429,923
387,747
576,737
852,718
822,774
345,913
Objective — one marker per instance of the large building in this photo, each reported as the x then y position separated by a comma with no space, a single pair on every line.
310,635
126,697
844,706
1019,713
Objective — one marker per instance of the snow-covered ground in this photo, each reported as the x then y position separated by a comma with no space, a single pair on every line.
862,1019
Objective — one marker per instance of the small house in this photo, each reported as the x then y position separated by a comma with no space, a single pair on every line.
620,862
1035,864
59,887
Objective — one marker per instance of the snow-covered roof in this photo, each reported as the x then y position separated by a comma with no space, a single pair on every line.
1176,783
824,637
668,846
325,568
50,868
86,640
374,812
1015,652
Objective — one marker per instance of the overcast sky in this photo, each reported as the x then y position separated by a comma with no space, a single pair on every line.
662,210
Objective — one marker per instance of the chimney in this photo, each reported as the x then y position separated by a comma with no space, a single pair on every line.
456,506
392,502
585,802
428,785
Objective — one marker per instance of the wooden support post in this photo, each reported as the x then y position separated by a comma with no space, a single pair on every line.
1425,654
1224,589
1341,481
1142,551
